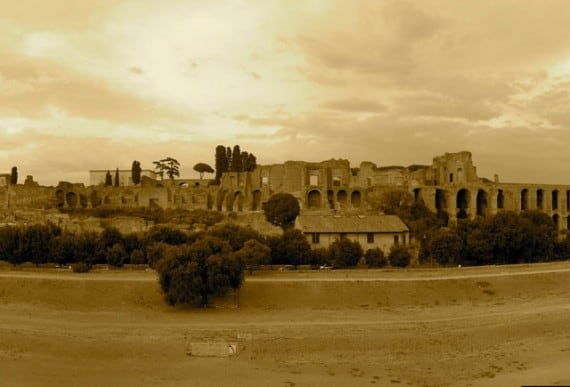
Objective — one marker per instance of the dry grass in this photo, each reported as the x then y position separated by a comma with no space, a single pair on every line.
292,329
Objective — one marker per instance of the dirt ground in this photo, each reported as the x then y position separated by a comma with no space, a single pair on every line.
491,326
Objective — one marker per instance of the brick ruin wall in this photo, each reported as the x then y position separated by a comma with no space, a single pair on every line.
449,184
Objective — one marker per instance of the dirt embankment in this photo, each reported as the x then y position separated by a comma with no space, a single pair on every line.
447,327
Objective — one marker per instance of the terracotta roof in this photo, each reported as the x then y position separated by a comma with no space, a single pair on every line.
350,223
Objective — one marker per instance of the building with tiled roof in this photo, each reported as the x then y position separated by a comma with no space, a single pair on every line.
370,231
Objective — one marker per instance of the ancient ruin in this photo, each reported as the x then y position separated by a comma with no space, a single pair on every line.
449,184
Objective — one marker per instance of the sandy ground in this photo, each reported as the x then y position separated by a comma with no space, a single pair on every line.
491,326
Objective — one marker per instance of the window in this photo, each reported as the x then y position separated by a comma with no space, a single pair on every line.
404,239
336,181
451,177
396,239
370,237
316,238
342,236
264,180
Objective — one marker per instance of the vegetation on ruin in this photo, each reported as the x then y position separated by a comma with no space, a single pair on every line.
202,168
281,210
14,176
206,218
167,166
136,172
233,161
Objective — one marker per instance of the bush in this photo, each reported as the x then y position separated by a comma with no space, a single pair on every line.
292,248
399,256
281,210
345,253
446,248
81,267
375,258
116,255
253,254
191,274
320,256
138,257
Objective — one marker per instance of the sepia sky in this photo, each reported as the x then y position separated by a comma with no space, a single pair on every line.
97,84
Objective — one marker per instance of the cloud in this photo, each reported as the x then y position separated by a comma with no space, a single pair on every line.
35,87
136,70
357,105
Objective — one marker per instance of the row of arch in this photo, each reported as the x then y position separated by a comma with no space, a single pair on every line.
463,201
342,198
539,203
236,201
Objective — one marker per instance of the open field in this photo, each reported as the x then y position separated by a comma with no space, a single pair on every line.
490,326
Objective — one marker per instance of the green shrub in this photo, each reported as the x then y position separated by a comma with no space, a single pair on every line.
81,267
375,258
399,256
345,253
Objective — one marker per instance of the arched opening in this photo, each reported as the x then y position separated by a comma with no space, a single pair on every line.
341,197
555,199
567,200
462,203
500,199
440,200
539,198
220,199
209,202
330,199
95,199
314,199
524,199
417,195
83,201
71,199
355,199
255,200
60,198
230,202
482,203
238,202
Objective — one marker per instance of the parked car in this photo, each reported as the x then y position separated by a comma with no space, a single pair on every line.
326,266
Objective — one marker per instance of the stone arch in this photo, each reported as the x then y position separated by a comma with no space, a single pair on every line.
220,199
556,220
417,195
482,203
540,198
355,198
462,203
440,200
342,197
71,199
59,198
314,199
209,201
95,199
330,199
83,201
555,199
524,199
500,199
255,200
237,203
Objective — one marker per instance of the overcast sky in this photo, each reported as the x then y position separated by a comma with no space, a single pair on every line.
97,84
